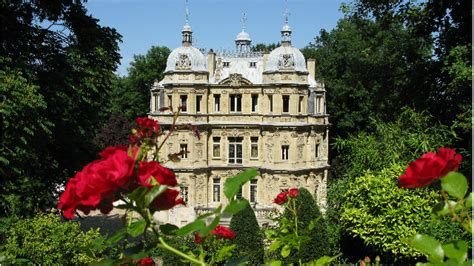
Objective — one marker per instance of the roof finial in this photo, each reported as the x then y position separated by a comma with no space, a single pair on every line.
286,13
243,20
186,14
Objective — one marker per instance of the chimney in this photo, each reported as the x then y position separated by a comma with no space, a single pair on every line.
211,62
265,58
311,65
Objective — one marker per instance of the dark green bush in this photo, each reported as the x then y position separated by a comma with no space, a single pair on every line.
317,245
249,240
46,239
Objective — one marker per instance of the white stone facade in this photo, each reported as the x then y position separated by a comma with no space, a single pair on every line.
254,110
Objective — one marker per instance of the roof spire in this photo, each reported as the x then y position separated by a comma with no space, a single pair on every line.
286,13
286,30
186,14
243,20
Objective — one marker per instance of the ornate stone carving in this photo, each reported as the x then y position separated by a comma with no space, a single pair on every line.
183,62
286,62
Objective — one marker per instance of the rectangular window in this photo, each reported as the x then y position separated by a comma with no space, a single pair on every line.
156,102
270,100
217,102
318,105
216,147
216,190
183,148
198,103
254,103
316,150
253,190
226,64
183,103
184,193
235,103
253,64
300,104
170,100
286,103
235,150
284,152
254,147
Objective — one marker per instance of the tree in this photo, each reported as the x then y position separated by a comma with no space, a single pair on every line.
131,94
262,47
308,214
70,58
249,238
115,132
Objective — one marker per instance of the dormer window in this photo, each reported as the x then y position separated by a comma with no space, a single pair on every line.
253,64
226,64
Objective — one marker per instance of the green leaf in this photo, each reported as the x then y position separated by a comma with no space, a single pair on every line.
232,185
456,250
153,193
191,227
105,262
206,230
469,201
326,260
168,229
428,246
235,206
138,196
276,263
455,184
285,251
274,246
117,237
137,228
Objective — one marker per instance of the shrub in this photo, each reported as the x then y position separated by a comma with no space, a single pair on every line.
316,245
249,240
375,209
46,239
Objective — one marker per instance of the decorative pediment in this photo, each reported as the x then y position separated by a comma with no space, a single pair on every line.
235,80
286,62
183,62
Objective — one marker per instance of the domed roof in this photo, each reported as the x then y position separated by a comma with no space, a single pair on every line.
187,27
186,58
286,58
286,27
243,36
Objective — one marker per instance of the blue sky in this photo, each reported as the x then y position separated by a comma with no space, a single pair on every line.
215,23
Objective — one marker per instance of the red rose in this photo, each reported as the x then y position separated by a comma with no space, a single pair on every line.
197,238
281,198
167,200
224,232
146,128
95,185
293,192
428,167
146,261
163,175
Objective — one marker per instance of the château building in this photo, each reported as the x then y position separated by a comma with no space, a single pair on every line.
254,110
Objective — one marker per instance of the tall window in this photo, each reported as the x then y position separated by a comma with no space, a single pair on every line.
235,150
170,100
235,103
254,103
316,150
216,147
216,190
318,105
217,102
253,190
270,100
253,64
156,102
285,152
286,103
183,148
300,104
254,147
198,103
183,102
226,64
184,193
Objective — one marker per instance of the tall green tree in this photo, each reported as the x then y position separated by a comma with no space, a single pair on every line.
249,238
131,94
70,59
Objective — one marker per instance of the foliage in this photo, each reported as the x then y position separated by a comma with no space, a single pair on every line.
249,240
115,132
45,239
66,61
313,225
375,209
262,47
403,140
131,94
